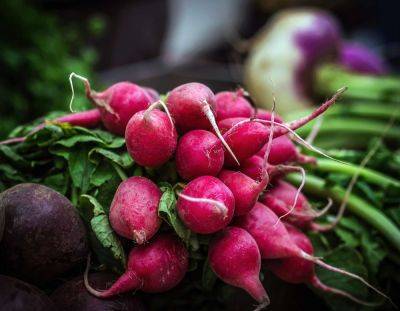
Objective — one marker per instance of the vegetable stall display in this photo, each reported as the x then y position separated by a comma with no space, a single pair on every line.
189,200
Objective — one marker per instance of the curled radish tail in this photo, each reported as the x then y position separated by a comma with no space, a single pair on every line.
220,207
344,272
86,83
210,116
125,283
156,104
318,284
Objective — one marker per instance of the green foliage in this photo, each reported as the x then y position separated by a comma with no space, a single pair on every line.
37,54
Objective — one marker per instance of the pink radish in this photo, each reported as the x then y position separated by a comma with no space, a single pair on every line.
246,138
234,257
153,268
206,205
154,95
117,104
266,115
151,137
226,124
275,242
280,200
134,209
199,153
296,270
89,118
244,189
232,105
192,106
284,151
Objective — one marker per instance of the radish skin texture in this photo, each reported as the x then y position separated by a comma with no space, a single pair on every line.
151,138
205,217
280,199
186,104
119,103
226,124
234,257
244,189
89,118
232,105
155,267
285,55
359,58
266,115
154,95
134,209
199,153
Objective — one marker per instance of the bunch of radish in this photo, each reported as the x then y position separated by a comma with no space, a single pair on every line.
230,158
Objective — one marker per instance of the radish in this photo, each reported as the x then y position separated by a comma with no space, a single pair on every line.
284,151
117,104
153,268
206,205
280,200
88,119
266,115
244,189
234,257
247,137
151,137
275,242
226,124
134,209
192,106
359,58
232,105
154,95
199,153
296,270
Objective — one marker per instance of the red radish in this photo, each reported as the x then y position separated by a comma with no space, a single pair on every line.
206,205
296,270
234,257
151,137
275,242
153,268
232,105
226,124
117,104
134,209
152,93
89,118
283,151
192,105
244,189
246,138
280,200
199,153
266,115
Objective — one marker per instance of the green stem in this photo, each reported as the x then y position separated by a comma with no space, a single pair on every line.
349,126
330,78
369,175
119,171
356,205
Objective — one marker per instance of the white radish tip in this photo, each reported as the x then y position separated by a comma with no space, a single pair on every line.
263,304
85,81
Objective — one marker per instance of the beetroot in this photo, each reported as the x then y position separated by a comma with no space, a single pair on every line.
244,189
151,137
232,105
153,268
206,205
134,209
297,270
234,257
275,242
199,153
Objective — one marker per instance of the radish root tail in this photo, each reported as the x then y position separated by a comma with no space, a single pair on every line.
220,206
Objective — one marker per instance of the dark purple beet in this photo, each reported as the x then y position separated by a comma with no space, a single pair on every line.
16,295
73,296
44,236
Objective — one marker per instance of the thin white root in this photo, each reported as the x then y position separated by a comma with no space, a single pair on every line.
220,206
315,130
85,81
270,139
263,305
211,118
324,210
156,104
89,288
303,181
